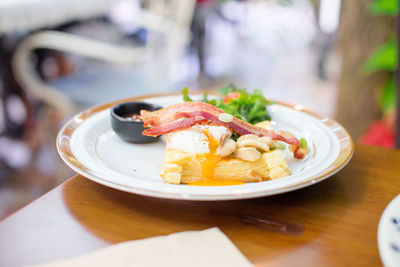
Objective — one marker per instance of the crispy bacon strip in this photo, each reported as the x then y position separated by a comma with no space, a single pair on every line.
168,114
174,125
168,119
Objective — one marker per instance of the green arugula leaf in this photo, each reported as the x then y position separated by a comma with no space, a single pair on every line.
205,97
185,94
228,89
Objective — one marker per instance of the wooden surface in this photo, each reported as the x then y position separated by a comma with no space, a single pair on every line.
333,223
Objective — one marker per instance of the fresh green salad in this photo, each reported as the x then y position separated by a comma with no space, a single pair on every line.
245,105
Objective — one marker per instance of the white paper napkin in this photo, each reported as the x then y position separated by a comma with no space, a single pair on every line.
195,248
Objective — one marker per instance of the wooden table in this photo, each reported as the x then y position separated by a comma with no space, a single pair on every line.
333,223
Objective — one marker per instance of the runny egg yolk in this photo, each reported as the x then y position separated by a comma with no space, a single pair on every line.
209,162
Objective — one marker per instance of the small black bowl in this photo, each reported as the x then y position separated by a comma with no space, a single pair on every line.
125,127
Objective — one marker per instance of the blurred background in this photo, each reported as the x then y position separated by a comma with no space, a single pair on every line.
58,57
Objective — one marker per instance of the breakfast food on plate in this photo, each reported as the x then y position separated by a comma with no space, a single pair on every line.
208,145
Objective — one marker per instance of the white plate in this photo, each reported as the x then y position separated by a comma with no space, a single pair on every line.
389,234
90,147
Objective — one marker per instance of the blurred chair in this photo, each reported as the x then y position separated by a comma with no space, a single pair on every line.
167,22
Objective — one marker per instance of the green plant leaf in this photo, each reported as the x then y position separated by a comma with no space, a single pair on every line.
205,97
228,89
387,98
383,58
185,94
384,7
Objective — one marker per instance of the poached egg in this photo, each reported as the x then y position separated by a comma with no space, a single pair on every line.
202,140
194,139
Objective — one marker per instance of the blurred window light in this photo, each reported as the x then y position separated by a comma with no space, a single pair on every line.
186,70
234,11
214,67
329,13
221,44
246,41
15,153
126,13
16,109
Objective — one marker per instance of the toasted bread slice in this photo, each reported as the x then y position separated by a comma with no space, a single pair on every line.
182,167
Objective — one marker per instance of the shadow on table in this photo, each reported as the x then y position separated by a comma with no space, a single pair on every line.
278,223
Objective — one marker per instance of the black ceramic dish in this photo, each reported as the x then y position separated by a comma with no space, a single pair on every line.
125,127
